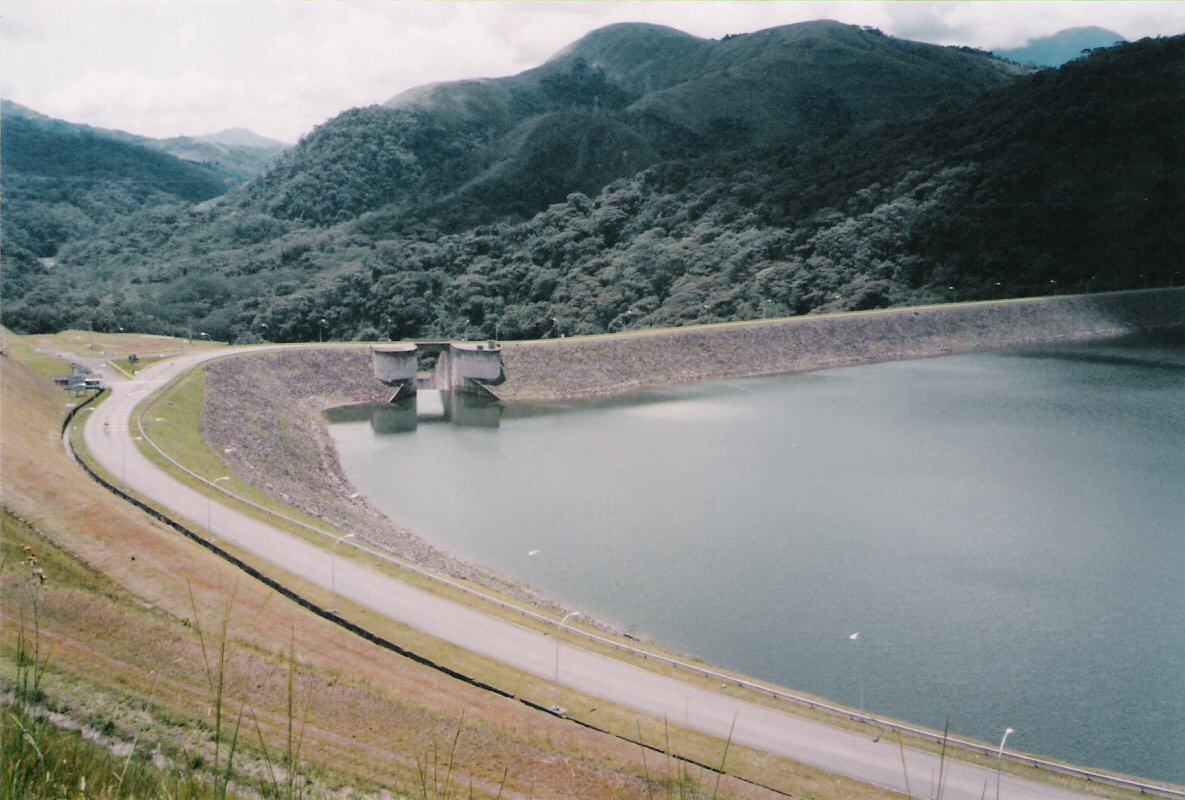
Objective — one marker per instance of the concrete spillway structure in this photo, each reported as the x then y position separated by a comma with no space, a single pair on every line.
460,366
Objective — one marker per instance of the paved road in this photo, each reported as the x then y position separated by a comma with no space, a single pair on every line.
832,749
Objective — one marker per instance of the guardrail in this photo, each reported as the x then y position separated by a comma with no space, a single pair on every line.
781,694
335,618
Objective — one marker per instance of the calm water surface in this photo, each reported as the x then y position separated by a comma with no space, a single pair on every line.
1006,531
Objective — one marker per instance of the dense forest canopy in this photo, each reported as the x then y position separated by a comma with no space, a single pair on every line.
1062,180
63,182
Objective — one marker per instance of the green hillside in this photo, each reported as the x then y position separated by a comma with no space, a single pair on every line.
62,181
1066,180
622,98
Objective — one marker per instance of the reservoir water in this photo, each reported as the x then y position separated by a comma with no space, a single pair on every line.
1006,531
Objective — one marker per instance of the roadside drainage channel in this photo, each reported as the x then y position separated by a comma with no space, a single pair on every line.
358,630
896,727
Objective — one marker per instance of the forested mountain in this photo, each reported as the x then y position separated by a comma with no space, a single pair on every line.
621,99
1063,180
1063,46
63,181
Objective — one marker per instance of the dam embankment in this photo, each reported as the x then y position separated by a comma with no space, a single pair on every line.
264,412
582,367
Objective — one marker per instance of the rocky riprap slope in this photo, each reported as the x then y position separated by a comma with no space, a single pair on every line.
584,367
264,411
264,414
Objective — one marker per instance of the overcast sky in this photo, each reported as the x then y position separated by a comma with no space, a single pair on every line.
169,67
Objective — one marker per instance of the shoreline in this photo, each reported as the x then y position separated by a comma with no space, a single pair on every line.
277,439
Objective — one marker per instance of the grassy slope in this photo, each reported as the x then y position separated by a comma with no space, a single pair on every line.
115,614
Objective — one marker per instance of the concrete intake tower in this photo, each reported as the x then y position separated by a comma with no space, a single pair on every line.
460,367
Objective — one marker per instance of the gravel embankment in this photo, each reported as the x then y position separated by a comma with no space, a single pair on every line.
567,368
265,411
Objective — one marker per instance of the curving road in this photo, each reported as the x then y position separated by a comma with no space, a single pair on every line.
832,749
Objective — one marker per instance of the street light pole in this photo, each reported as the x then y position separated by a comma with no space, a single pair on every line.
560,627
333,570
321,330
1000,760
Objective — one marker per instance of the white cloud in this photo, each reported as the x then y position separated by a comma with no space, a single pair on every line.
165,67
154,104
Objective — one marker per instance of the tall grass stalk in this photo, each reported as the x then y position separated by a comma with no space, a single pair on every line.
724,757
292,788
40,760
216,682
678,770
29,662
942,761
904,768
436,789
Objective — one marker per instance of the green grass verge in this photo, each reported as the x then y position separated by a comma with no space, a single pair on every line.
46,762
42,363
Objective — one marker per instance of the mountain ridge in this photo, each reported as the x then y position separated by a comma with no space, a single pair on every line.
1060,180
1065,45
62,180
443,149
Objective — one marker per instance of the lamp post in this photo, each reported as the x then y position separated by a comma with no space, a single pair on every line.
210,504
333,570
560,627
1000,760
321,330
855,637
266,332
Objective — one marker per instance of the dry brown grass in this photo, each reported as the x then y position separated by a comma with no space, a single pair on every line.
115,616
125,655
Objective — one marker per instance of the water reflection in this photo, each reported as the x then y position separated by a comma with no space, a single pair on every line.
397,417
426,407
471,410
